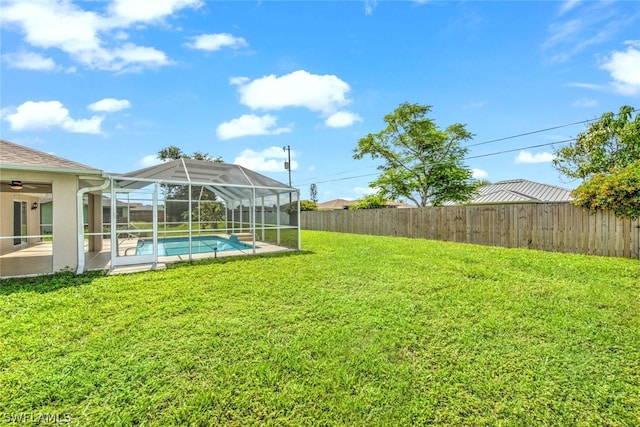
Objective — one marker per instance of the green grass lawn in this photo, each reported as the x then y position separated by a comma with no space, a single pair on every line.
355,330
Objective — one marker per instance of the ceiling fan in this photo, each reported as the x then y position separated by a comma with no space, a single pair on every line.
19,185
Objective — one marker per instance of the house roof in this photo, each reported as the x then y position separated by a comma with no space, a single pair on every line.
14,156
399,205
336,204
521,191
231,182
344,204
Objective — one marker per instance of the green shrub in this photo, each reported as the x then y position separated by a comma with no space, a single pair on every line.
618,192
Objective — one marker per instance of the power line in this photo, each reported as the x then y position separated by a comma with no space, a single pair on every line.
522,148
467,158
490,142
528,133
541,130
311,180
343,179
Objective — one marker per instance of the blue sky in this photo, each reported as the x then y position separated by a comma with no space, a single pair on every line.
109,83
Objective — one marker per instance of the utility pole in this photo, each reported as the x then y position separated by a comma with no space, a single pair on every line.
287,166
287,163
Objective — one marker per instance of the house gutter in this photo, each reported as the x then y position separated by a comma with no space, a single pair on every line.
79,216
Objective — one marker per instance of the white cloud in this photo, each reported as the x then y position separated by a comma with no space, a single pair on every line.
584,102
320,93
479,174
150,160
238,80
578,28
589,86
370,6
128,11
365,191
474,105
29,61
342,119
624,68
269,160
92,39
129,57
45,115
54,24
250,125
213,42
110,105
527,157
569,5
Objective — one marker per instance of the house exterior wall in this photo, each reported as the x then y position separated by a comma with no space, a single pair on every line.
6,211
65,223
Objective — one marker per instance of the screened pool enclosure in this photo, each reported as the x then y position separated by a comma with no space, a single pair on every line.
186,208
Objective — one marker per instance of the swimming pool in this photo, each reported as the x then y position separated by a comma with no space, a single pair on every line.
199,245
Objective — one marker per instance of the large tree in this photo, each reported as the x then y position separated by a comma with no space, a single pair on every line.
608,143
421,162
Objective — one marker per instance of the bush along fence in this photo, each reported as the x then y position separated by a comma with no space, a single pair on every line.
559,227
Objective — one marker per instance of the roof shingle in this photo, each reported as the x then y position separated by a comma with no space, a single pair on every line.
17,155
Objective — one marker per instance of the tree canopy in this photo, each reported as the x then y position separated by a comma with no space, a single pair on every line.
421,162
372,201
174,153
308,205
607,158
313,193
608,143
205,207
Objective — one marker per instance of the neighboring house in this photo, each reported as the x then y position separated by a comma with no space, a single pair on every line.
519,191
122,210
335,204
46,212
140,212
398,205
339,204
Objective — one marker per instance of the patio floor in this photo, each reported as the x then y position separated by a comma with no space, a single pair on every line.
37,259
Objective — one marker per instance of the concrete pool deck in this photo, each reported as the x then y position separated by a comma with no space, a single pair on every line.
37,259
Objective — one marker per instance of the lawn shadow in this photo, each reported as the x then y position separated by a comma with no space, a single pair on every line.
47,282
246,258
52,282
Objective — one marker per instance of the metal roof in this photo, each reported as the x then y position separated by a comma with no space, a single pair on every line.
518,191
231,182
521,191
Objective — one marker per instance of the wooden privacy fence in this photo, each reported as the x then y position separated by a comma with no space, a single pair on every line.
559,227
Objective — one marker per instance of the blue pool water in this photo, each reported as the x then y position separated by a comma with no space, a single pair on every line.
199,245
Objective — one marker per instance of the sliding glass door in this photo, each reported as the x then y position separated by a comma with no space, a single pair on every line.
19,222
